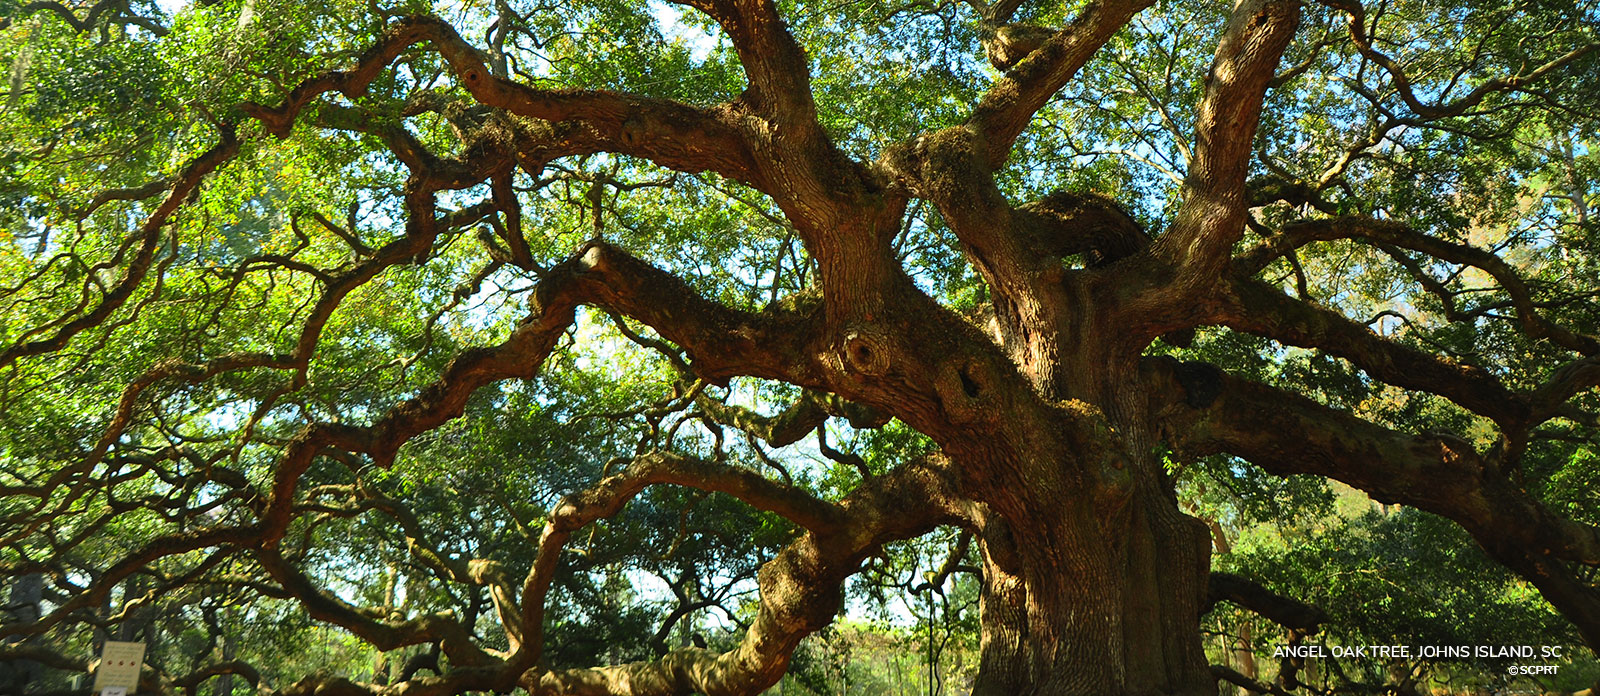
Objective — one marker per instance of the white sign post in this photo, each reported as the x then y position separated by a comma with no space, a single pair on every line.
118,672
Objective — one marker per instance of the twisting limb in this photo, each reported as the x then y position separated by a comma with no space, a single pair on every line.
225,539
800,588
475,571
1255,307
135,193
114,9
722,342
149,236
806,414
652,128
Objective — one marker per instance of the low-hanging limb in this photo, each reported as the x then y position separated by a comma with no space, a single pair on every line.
722,342
1257,307
1204,410
801,588
225,541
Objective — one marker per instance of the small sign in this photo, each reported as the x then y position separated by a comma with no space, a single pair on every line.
118,672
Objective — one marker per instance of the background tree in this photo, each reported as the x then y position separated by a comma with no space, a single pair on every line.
593,347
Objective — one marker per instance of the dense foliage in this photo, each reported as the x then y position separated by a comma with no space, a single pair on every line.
396,347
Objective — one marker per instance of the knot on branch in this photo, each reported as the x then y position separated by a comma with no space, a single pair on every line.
595,258
865,350
965,388
1066,223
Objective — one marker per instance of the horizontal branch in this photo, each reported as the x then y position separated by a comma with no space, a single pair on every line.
1285,611
806,414
1205,410
223,539
1389,232
675,135
91,19
1257,308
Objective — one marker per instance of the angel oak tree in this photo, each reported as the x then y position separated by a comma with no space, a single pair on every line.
1053,400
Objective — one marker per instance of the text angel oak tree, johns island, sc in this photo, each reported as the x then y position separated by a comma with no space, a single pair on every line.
607,347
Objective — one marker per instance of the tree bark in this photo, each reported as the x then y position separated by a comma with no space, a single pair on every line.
1084,606
1094,581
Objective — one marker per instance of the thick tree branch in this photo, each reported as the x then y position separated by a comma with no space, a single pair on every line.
373,626
224,539
775,64
1257,308
114,9
722,343
801,588
1208,411
672,134
806,414
1389,232
1215,201
1284,611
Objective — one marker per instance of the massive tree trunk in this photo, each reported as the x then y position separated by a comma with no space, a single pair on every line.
1075,606
1093,579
